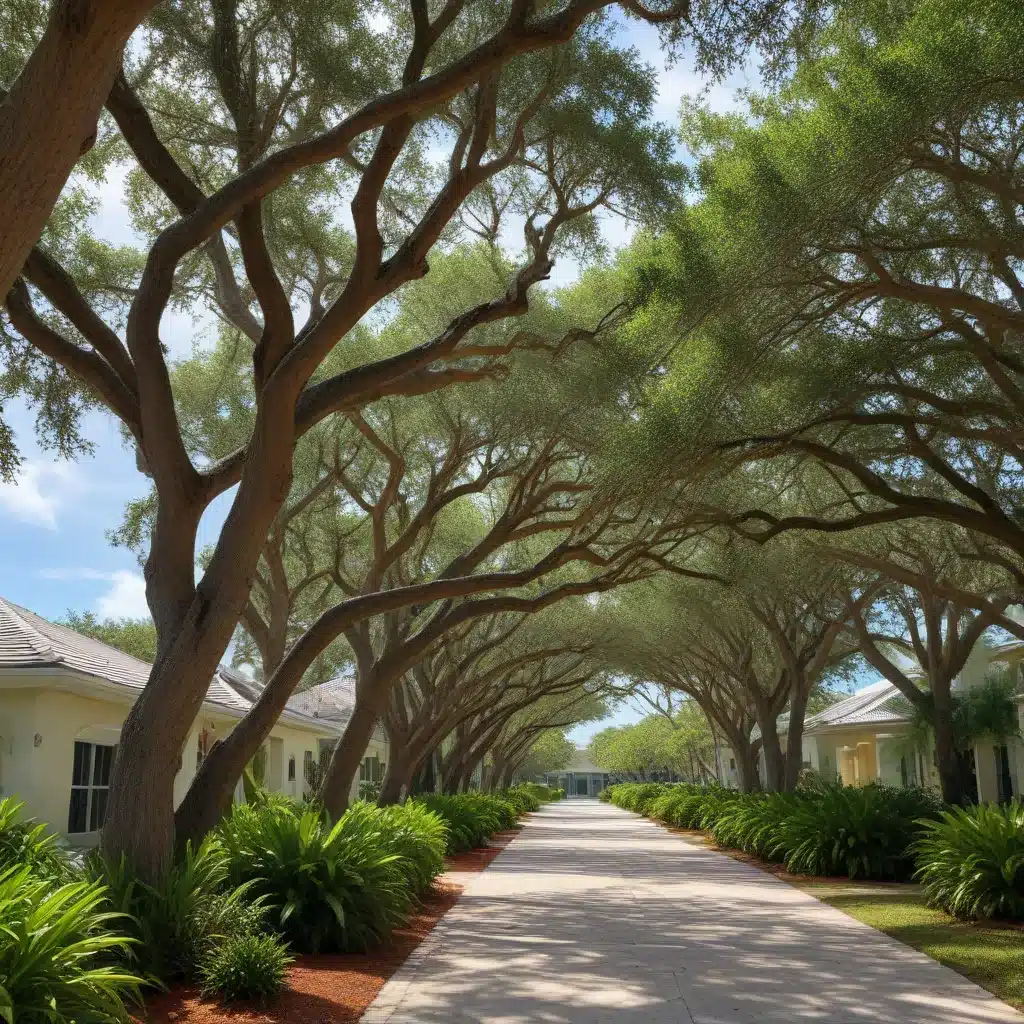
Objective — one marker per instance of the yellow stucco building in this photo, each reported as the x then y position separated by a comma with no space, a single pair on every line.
867,737
64,697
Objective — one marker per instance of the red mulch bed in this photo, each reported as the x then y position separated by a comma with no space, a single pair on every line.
331,989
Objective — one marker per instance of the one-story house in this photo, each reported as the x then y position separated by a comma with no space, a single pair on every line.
580,777
65,696
333,702
868,736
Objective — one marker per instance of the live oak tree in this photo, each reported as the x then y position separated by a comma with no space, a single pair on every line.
552,711
443,497
136,637
851,274
226,109
680,742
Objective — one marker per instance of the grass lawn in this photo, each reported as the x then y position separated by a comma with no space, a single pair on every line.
990,955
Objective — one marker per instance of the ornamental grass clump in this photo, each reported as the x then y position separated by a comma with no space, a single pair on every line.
251,967
329,888
59,950
970,862
859,832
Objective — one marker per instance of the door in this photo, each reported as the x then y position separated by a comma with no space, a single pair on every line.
582,785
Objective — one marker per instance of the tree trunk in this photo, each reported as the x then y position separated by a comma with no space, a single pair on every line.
139,822
774,761
426,778
746,767
347,756
795,737
397,779
48,119
945,746
209,796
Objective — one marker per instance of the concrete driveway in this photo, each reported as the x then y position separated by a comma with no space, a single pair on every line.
594,915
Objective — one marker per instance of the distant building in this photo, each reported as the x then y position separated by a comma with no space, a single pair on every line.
868,736
581,777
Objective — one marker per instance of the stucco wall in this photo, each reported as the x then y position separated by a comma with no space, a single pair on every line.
39,727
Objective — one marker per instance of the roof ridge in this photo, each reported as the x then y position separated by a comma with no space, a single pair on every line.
33,637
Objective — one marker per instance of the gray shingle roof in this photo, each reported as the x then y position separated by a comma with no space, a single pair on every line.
28,641
879,702
332,701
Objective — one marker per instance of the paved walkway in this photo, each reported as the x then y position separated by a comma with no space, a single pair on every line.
596,915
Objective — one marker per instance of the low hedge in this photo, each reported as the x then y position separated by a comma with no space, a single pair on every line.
868,832
471,818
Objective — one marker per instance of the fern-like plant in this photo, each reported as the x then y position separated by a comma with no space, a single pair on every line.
860,832
56,947
329,888
971,861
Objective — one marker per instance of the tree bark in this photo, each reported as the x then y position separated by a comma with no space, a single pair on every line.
795,737
948,763
48,119
774,760
348,754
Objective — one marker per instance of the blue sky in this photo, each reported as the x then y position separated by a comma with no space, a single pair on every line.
54,553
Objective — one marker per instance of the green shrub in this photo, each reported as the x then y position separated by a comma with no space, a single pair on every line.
23,842
559,794
607,795
331,889
246,967
177,921
971,862
55,946
543,794
418,837
753,824
638,796
521,799
860,832
472,818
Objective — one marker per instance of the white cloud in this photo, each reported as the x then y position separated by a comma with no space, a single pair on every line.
35,495
126,597
75,574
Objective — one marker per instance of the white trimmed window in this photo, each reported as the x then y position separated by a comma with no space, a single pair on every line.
90,784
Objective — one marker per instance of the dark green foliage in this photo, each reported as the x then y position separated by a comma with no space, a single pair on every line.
637,796
826,830
543,794
246,967
753,824
472,818
136,637
25,843
176,923
415,834
330,889
522,800
56,950
860,832
971,861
